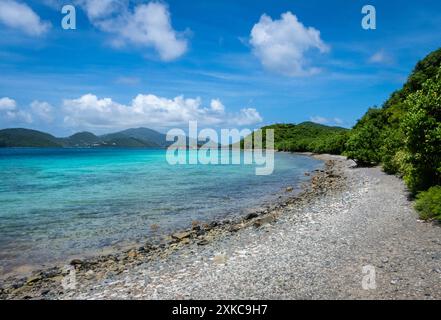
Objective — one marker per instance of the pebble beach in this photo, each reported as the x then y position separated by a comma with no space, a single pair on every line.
313,245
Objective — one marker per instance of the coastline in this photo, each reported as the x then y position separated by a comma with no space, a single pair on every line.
43,278
153,271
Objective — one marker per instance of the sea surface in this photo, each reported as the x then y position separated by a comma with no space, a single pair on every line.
61,203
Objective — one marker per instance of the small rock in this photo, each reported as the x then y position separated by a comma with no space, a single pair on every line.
289,189
181,235
251,216
235,228
202,242
90,274
32,280
265,220
76,262
220,259
132,254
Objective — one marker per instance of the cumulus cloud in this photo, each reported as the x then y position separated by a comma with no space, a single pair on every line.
217,106
20,16
42,110
96,9
36,111
328,121
146,25
89,111
7,104
281,45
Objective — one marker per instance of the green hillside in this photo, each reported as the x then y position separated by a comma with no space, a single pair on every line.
27,138
404,136
308,136
131,138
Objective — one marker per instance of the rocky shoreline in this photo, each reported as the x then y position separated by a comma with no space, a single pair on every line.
314,245
48,283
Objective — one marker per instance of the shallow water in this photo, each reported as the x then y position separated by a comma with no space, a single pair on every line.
59,203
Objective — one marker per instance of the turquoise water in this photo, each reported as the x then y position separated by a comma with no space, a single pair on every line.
59,203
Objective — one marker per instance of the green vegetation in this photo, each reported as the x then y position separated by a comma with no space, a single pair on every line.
308,137
26,138
131,138
404,136
428,203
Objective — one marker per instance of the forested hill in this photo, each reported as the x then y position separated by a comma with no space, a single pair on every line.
308,136
131,138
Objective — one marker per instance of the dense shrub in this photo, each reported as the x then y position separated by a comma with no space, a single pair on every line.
428,203
363,145
422,131
404,136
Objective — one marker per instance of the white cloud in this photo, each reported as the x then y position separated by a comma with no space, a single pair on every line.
89,111
20,16
246,117
147,25
96,9
42,110
19,116
328,121
281,44
14,114
217,106
381,57
7,104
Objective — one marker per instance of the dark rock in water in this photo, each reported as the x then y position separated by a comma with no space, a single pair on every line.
200,233
251,216
76,262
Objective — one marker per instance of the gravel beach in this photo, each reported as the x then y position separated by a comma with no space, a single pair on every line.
311,247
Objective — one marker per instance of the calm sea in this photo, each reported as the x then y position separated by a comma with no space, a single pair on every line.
60,203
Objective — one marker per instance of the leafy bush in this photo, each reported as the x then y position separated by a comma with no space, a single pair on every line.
422,130
428,203
392,142
363,145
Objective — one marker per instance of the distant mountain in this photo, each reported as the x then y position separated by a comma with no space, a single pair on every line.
138,136
27,138
81,139
131,138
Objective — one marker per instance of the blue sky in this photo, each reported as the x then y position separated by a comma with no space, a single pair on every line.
160,64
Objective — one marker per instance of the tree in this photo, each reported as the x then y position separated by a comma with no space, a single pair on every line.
422,129
364,143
